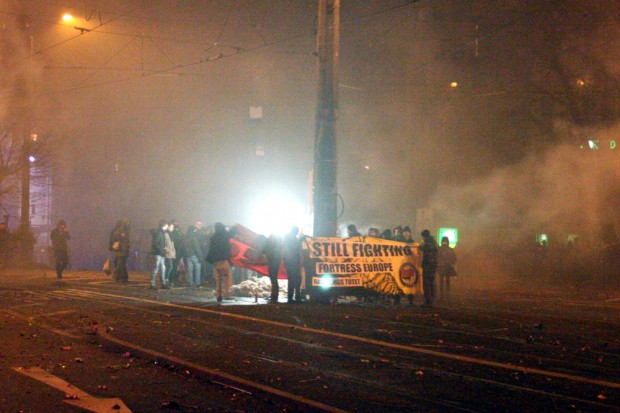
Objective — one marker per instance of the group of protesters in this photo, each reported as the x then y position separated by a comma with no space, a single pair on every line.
200,246
436,260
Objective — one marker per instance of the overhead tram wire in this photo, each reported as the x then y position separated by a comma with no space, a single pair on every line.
82,33
238,51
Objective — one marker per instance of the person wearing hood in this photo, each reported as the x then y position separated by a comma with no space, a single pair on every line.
429,267
407,235
60,236
352,231
219,256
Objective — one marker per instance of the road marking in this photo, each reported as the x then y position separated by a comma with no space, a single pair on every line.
40,325
413,349
81,398
221,374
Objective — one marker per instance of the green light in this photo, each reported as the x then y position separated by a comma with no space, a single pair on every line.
451,233
612,144
540,238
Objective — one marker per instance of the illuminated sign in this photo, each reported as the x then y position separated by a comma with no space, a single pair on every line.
451,233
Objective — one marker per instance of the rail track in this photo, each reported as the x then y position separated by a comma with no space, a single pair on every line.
322,365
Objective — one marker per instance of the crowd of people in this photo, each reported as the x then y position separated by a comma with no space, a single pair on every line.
200,247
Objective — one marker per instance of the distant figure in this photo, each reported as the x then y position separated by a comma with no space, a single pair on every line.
387,234
407,235
176,236
219,256
120,246
60,236
194,255
446,259
291,253
398,234
373,232
170,253
273,252
429,267
352,231
158,249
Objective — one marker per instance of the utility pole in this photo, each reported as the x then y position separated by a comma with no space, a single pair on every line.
25,237
325,154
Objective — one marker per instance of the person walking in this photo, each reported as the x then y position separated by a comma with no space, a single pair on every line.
158,250
219,256
121,246
273,253
446,260
60,236
291,254
429,267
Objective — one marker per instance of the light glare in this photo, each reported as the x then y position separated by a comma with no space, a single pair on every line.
276,214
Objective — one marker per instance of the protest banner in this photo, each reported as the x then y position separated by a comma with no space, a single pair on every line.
388,267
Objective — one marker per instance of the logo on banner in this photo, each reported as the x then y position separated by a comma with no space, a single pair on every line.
408,275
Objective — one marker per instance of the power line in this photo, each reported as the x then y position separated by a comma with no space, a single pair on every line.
237,51
84,31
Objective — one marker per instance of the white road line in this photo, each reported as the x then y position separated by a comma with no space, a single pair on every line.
77,397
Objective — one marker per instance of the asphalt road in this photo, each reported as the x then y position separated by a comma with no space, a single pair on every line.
104,346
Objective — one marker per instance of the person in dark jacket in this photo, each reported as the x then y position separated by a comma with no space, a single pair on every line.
219,256
352,231
120,246
291,254
273,253
397,233
176,236
429,267
60,236
194,255
158,249
446,260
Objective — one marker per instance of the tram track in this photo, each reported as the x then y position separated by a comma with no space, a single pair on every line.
411,348
113,299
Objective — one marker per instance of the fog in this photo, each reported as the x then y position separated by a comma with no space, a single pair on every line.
145,107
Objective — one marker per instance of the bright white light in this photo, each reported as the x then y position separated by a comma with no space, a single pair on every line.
31,158
67,17
326,281
276,213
